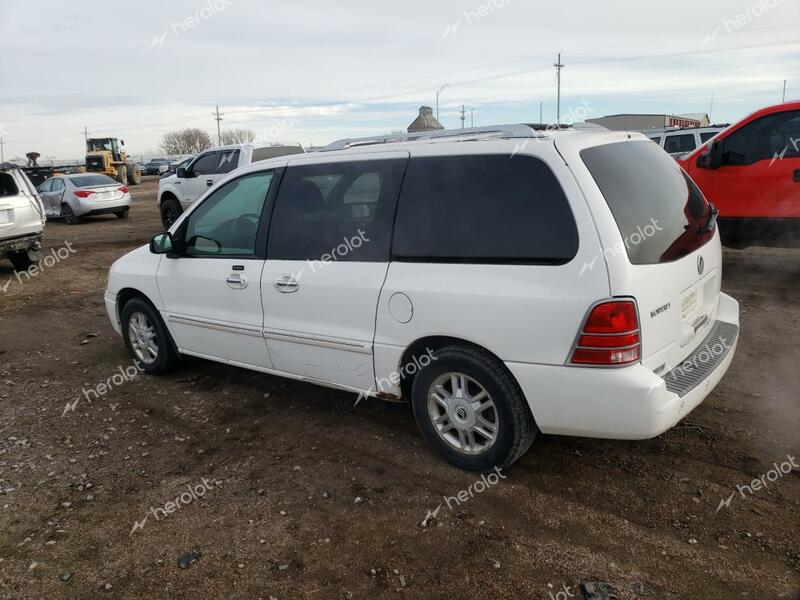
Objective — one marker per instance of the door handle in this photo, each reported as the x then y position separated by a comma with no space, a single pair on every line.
237,281
286,284
797,175
209,182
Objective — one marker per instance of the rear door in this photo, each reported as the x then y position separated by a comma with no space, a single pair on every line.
327,257
658,241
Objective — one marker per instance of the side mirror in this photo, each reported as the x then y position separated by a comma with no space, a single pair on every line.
712,157
181,172
162,243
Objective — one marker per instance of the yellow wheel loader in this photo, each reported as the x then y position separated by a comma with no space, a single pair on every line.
105,155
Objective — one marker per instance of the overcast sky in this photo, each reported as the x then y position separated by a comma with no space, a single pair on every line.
313,71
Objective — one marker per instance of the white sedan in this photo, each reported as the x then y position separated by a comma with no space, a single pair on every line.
83,195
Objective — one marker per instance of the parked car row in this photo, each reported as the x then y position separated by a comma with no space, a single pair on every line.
680,141
498,320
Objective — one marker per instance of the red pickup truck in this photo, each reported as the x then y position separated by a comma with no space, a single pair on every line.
751,173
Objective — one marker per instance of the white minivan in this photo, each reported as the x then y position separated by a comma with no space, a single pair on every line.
507,281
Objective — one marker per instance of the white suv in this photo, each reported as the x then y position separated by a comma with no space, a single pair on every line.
505,280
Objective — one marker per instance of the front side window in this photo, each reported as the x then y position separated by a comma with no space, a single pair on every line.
679,143
661,214
336,212
206,164
492,208
227,221
47,186
58,185
764,139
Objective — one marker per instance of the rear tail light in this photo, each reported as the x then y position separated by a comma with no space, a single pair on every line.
610,335
83,193
123,189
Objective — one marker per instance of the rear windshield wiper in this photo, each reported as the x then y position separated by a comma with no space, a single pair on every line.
713,213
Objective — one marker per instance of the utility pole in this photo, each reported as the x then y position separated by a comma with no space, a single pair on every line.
218,118
711,109
472,117
2,157
463,115
541,104
784,90
86,136
558,67
439,91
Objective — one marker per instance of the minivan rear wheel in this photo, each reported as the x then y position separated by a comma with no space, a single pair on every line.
471,411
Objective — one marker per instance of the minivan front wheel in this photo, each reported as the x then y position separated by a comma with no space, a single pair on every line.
471,411
146,338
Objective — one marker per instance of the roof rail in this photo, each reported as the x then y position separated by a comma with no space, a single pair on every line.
520,130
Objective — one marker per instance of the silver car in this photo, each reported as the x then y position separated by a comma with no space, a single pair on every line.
82,195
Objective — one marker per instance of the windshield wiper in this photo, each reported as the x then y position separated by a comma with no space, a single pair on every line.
713,213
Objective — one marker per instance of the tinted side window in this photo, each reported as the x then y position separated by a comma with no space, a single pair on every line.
46,186
657,140
338,211
227,221
7,185
704,137
493,208
763,139
680,143
58,185
206,164
227,161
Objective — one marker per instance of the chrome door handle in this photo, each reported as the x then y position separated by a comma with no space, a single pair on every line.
286,284
237,281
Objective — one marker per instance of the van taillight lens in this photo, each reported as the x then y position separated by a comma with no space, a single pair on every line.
610,336
83,193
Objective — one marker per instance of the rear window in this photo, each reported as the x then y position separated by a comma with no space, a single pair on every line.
7,185
660,212
492,208
92,180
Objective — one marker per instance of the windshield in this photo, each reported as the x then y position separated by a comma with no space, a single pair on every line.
660,212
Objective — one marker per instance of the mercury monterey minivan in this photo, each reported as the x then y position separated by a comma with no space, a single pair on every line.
506,280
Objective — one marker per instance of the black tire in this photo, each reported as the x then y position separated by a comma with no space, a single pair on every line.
166,358
170,211
70,218
123,214
20,260
134,176
516,428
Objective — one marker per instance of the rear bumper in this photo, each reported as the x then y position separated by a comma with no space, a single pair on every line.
23,242
631,402
88,209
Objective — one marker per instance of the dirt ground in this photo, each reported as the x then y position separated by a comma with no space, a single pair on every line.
296,494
